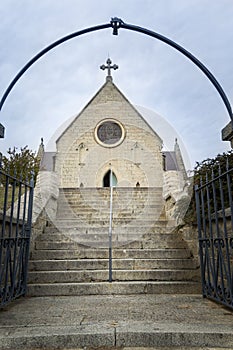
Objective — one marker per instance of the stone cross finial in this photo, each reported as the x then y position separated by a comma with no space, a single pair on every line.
109,67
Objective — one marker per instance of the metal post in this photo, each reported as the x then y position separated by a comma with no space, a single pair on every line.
201,242
28,228
110,229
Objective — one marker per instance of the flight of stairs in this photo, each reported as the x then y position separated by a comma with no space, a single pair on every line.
71,256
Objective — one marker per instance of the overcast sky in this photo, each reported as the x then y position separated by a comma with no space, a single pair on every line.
150,74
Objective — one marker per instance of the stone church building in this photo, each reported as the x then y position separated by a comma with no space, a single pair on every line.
109,136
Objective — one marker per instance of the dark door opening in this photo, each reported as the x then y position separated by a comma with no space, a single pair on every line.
107,179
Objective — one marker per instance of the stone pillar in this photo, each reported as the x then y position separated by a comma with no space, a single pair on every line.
179,159
40,152
227,133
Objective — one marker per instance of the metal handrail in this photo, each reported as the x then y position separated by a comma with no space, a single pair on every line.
110,227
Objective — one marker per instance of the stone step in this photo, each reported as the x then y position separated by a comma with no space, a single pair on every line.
118,192
70,224
64,234
114,288
117,199
106,190
131,222
116,254
115,244
80,213
98,244
120,200
157,222
93,223
73,235
134,225
118,264
81,228
127,209
117,203
105,198
76,276
121,207
142,321
121,204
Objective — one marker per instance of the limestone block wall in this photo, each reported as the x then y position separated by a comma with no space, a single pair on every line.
85,162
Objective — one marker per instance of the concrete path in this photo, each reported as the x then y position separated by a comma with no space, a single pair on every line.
155,321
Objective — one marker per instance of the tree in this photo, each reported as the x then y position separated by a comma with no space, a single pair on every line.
21,164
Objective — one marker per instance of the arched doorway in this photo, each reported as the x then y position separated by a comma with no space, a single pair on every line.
109,179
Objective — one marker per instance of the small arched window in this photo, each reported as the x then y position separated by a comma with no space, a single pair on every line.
107,179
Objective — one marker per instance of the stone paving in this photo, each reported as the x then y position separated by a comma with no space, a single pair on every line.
177,321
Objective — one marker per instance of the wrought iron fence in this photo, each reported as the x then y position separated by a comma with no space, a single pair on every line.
16,198
214,207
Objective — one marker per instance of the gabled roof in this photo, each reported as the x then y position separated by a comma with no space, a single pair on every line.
170,161
47,161
95,100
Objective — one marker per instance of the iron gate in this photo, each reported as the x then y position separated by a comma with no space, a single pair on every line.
16,198
214,207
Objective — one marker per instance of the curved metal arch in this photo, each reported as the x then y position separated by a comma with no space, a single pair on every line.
116,24
44,51
186,53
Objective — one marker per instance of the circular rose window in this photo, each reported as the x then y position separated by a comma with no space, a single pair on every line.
109,133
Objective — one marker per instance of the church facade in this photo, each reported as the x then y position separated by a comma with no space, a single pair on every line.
109,135
109,142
